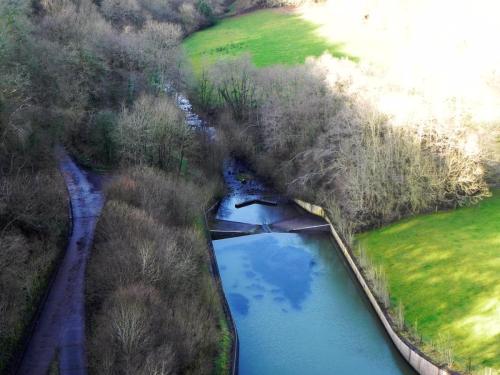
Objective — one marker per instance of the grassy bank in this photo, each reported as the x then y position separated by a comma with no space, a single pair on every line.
445,269
270,36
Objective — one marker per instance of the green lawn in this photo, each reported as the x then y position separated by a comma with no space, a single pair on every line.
271,37
445,268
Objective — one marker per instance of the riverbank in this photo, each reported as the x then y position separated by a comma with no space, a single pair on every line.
420,361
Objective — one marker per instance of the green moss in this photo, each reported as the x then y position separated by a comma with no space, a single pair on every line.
270,36
223,360
445,268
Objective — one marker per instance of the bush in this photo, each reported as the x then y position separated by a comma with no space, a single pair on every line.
206,10
153,305
123,12
66,69
33,222
154,133
235,84
181,201
105,137
317,132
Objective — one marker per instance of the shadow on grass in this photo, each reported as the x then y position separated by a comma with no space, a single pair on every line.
445,268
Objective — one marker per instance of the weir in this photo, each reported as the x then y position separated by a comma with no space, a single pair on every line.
225,228
297,307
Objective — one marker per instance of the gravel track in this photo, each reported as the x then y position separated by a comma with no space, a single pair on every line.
59,331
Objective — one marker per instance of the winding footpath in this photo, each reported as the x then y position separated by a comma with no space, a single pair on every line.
59,331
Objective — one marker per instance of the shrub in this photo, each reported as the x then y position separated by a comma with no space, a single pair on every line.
154,133
376,277
181,201
206,10
66,68
234,82
104,136
153,306
33,222
123,12
317,132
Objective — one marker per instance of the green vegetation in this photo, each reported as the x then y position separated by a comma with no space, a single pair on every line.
313,132
445,269
223,361
270,36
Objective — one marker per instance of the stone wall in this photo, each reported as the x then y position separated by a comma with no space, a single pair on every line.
235,345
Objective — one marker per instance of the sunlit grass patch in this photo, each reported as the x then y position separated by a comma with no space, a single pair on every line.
445,268
270,36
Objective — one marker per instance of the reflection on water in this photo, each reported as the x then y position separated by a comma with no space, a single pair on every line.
280,270
286,267
239,303
296,308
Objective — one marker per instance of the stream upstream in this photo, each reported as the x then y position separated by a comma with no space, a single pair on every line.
297,308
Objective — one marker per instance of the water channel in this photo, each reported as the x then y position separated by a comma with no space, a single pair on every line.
297,308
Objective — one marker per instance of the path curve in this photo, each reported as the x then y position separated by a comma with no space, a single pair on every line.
59,331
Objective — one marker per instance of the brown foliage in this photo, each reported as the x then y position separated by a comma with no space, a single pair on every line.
154,132
66,68
167,199
33,222
153,305
317,132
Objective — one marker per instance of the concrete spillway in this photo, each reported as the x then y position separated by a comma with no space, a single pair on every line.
306,223
296,306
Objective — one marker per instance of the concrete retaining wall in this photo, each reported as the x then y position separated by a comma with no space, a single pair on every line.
235,347
418,360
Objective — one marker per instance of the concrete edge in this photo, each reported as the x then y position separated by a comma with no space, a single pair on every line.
235,345
421,362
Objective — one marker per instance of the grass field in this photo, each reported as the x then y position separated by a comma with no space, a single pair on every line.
270,36
445,268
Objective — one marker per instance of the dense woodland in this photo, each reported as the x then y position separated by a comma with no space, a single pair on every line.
91,75
316,132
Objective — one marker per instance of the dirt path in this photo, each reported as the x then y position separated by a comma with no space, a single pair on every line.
59,333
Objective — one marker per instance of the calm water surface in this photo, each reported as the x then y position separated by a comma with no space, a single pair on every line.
296,307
